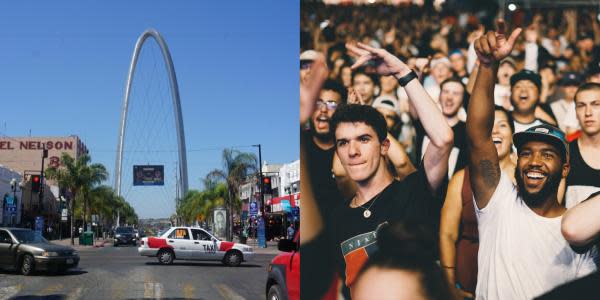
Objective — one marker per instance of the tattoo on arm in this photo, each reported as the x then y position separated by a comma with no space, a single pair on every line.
490,172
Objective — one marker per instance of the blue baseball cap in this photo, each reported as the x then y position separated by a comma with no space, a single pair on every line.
543,133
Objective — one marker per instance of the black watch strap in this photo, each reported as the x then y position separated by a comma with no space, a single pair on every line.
404,80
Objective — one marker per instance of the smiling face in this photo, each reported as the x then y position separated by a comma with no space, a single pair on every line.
360,151
539,171
587,108
321,118
524,96
451,98
502,134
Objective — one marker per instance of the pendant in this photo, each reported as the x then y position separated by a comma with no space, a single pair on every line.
367,213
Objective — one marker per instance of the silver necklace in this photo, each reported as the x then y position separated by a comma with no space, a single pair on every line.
367,212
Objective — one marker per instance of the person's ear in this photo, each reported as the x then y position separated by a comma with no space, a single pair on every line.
385,146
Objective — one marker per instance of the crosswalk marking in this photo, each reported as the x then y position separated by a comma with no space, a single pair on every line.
153,290
75,294
9,291
227,293
188,291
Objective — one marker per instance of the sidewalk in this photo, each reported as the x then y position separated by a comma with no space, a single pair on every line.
271,246
97,243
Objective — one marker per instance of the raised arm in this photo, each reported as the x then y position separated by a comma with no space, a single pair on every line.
435,160
483,158
312,224
399,158
580,224
449,225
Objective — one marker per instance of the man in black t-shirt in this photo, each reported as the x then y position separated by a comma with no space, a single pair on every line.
320,146
452,96
361,144
584,177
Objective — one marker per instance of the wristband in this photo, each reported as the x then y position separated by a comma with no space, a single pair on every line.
404,80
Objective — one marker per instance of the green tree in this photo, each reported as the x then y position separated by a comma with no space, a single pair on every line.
236,167
78,177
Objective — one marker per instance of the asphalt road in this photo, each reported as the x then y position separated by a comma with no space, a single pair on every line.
120,273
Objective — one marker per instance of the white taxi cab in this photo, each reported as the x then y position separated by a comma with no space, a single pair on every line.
193,243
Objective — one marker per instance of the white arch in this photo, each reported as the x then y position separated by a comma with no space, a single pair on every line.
183,178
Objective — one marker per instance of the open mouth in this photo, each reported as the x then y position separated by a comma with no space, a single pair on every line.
497,140
535,175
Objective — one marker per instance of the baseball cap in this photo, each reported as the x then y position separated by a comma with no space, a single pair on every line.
308,55
544,133
441,60
509,61
388,102
526,75
570,78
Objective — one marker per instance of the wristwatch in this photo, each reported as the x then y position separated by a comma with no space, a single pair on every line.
404,80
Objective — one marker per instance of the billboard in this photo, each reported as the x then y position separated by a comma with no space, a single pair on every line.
148,175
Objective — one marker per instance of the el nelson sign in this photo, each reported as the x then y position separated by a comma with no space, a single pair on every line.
36,145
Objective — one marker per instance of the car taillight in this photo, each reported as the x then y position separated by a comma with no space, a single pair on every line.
142,243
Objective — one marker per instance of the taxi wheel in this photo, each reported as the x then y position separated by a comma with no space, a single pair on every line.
27,265
275,293
233,258
165,257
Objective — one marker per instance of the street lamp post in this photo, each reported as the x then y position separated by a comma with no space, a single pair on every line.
262,197
13,185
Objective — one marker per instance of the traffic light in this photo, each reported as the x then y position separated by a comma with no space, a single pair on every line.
267,189
35,183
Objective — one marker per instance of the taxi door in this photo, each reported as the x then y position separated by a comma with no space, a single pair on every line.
204,247
181,242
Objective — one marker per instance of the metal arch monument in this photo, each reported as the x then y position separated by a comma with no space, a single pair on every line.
183,177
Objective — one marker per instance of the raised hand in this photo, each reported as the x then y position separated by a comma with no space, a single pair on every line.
386,63
309,92
494,46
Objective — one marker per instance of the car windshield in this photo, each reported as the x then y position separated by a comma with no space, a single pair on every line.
29,236
124,230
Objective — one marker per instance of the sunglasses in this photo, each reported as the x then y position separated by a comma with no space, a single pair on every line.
330,104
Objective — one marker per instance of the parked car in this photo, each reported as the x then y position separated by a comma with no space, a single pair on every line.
125,236
283,280
193,243
27,251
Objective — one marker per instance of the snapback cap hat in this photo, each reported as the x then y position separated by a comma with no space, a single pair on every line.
526,75
570,78
543,133
387,102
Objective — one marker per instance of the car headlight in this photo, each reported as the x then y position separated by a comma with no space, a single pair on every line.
75,253
117,235
49,253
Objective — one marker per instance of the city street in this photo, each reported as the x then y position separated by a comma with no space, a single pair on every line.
120,273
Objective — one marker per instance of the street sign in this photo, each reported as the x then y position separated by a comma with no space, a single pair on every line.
10,200
253,208
262,242
39,224
296,211
64,214
11,208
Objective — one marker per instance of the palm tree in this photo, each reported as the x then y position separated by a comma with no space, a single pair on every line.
78,177
236,166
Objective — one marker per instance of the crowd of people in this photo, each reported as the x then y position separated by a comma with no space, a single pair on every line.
444,156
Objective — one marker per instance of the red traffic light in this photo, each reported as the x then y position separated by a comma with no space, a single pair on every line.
266,180
36,179
35,183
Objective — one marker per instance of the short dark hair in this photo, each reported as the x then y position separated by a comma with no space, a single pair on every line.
363,71
332,85
410,246
355,113
587,87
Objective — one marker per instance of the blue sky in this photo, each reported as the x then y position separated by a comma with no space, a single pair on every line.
63,66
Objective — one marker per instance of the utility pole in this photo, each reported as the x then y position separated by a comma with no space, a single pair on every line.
261,227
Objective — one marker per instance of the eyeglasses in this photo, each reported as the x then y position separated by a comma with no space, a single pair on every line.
330,104
305,65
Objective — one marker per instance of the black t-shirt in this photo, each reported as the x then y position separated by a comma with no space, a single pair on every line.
320,163
459,150
354,235
582,179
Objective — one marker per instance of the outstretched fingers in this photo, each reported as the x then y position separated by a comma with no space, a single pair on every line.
500,26
513,36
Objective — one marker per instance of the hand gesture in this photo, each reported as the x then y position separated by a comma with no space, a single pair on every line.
354,97
309,92
493,46
386,63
